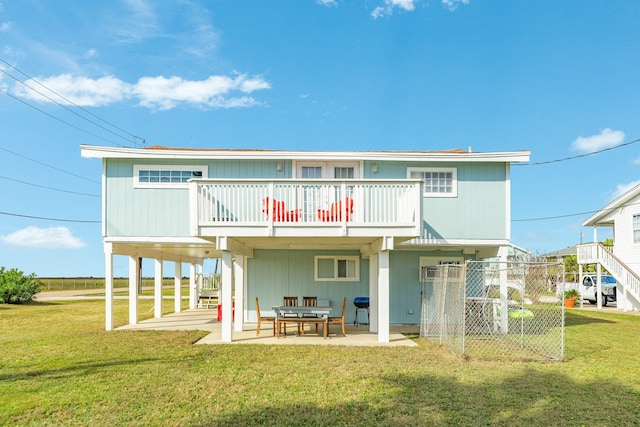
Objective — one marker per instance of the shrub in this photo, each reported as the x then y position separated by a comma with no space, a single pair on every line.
16,288
571,294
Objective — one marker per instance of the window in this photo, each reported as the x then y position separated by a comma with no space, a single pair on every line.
636,229
438,182
337,268
149,176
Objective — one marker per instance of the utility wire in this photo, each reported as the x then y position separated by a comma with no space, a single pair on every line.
49,166
578,156
49,188
59,119
70,102
50,219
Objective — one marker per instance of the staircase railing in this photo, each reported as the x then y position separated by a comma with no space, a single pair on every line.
597,252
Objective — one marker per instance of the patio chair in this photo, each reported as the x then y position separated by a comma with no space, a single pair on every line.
310,302
290,302
261,319
340,319
276,210
334,214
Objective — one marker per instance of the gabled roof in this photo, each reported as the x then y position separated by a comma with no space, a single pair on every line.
605,215
160,152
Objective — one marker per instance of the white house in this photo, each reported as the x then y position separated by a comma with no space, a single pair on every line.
623,214
329,224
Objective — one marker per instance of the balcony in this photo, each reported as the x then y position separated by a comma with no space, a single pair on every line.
305,208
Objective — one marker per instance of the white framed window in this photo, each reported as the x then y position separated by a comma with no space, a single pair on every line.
338,268
636,229
438,182
153,176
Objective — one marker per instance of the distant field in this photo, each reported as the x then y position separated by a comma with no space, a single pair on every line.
71,283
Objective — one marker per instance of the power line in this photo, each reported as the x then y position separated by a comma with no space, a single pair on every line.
578,156
50,219
49,188
59,119
49,166
70,102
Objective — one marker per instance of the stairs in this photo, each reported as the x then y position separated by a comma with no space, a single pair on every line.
628,280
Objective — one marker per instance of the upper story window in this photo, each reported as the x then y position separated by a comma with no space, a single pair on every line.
636,229
152,176
438,182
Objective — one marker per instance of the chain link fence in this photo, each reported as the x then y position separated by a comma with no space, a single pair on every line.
495,310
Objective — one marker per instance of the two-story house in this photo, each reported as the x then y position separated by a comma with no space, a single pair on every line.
327,224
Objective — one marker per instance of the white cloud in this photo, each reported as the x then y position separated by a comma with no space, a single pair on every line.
152,92
623,188
82,91
453,4
605,139
52,237
5,26
327,2
390,5
165,93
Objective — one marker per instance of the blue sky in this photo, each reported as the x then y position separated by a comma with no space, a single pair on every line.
559,78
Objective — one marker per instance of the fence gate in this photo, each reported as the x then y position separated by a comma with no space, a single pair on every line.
494,310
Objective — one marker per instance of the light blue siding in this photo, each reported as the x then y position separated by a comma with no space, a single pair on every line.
273,274
165,211
478,212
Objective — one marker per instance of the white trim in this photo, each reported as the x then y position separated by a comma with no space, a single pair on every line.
327,168
103,198
507,206
336,259
174,153
421,170
162,168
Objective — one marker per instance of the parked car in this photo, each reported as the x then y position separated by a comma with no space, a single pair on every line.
589,287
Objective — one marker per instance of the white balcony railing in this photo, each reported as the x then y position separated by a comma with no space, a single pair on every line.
269,207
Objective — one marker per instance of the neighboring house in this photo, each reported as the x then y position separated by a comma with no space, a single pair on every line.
623,262
328,224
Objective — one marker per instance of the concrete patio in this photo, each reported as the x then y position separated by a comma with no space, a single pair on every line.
206,320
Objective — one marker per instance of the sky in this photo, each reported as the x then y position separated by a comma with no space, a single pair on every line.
559,78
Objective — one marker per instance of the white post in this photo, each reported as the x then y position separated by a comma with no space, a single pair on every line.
504,290
595,234
373,293
192,286
238,274
134,279
177,288
108,286
157,288
599,286
225,296
383,296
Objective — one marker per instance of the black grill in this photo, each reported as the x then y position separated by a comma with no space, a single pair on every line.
361,303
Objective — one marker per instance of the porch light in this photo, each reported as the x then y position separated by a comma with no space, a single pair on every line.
374,169
279,166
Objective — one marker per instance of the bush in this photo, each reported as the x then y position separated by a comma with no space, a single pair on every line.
16,288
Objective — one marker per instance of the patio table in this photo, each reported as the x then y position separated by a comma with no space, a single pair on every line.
300,310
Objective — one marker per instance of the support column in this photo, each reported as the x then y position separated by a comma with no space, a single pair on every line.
373,293
134,280
225,296
177,288
238,275
504,290
108,286
157,288
599,285
383,296
192,286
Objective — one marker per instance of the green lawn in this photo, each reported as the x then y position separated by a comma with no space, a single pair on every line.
58,366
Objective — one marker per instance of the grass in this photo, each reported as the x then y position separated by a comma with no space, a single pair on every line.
58,366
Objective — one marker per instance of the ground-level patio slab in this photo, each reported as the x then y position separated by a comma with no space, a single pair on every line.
206,320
